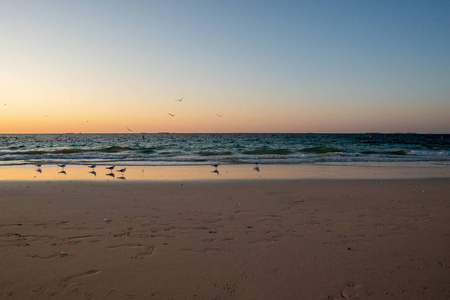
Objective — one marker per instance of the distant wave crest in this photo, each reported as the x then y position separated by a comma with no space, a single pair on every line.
268,151
68,151
213,153
115,149
320,150
398,152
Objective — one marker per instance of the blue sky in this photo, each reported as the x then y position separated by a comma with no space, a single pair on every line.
268,66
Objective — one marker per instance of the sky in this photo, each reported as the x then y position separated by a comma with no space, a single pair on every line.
263,66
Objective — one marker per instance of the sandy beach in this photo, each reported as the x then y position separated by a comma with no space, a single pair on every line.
229,239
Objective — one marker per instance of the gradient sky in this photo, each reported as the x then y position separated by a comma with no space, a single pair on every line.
267,66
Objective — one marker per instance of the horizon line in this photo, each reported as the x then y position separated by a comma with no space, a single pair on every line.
233,132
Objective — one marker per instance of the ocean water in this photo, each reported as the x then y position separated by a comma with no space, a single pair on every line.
200,149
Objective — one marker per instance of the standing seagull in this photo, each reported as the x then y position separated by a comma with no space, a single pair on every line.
122,170
257,167
62,166
111,168
92,166
215,165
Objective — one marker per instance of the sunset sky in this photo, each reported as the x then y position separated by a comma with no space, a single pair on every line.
267,66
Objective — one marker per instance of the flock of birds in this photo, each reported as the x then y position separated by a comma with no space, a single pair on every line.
181,99
122,171
170,114
111,168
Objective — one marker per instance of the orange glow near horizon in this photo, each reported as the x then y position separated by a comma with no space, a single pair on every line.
192,116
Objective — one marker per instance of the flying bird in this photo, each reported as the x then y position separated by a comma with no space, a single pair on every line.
172,115
130,130
220,116
181,99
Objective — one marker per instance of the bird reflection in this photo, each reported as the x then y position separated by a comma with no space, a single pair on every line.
111,174
215,171
121,177
62,172
39,170
94,173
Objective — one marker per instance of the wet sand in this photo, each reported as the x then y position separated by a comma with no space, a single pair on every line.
227,239
225,172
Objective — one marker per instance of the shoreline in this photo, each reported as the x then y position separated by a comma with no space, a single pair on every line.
225,172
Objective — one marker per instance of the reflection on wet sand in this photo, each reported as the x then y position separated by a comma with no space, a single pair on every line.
205,172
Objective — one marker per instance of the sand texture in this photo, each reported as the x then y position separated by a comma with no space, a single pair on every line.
271,239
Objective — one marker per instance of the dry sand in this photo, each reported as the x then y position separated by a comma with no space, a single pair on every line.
269,239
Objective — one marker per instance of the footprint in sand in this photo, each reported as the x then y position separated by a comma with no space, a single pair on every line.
142,255
60,254
77,239
351,291
71,280
212,220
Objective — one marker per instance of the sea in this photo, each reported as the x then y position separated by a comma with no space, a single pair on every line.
176,149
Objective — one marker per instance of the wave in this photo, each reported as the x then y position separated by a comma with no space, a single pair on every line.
268,151
115,149
213,153
320,150
146,150
31,152
68,151
429,153
395,152
398,152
